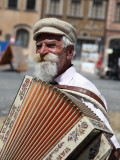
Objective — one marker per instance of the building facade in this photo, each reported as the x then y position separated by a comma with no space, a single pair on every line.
112,32
87,16
17,20
111,59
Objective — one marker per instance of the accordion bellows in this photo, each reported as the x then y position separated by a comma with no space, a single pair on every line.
40,116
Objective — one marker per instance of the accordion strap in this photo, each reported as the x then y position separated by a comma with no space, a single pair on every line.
87,94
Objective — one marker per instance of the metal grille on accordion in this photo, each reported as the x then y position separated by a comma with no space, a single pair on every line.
46,123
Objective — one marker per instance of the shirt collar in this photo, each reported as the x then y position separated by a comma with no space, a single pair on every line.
66,77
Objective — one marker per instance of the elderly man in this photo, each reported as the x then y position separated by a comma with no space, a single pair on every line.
55,41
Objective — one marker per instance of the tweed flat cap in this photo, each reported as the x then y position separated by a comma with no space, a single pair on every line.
55,26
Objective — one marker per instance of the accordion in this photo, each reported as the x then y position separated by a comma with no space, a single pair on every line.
46,123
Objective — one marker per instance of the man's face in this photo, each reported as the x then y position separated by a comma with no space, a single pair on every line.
49,43
50,55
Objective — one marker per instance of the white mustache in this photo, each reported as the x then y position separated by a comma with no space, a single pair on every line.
50,57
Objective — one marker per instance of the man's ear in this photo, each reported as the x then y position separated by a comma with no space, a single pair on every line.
70,51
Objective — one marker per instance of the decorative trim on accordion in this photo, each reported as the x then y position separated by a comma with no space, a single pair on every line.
14,111
80,135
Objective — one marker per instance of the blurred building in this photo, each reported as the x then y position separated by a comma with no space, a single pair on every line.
89,17
112,31
111,57
17,19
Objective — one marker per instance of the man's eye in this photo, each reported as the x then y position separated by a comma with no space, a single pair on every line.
38,46
51,45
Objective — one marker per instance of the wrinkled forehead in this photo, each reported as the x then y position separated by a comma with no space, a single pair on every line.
46,36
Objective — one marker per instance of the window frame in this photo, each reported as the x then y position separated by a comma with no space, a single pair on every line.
26,2
80,14
117,16
102,14
28,37
12,7
48,9
1,3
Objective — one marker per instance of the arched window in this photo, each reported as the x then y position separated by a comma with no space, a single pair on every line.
22,37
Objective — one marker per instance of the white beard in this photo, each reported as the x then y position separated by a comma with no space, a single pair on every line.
46,70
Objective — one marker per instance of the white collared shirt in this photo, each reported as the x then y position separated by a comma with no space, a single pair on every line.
72,78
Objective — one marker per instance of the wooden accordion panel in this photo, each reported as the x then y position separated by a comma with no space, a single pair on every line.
39,118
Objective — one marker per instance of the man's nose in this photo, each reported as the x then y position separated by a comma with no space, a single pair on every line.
43,50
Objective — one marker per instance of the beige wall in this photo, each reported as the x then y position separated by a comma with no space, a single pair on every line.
15,19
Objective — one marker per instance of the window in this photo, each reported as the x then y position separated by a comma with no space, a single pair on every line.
30,5
117,13
1,3
22,37
7,37
97,9
75,8
54,7
12,4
